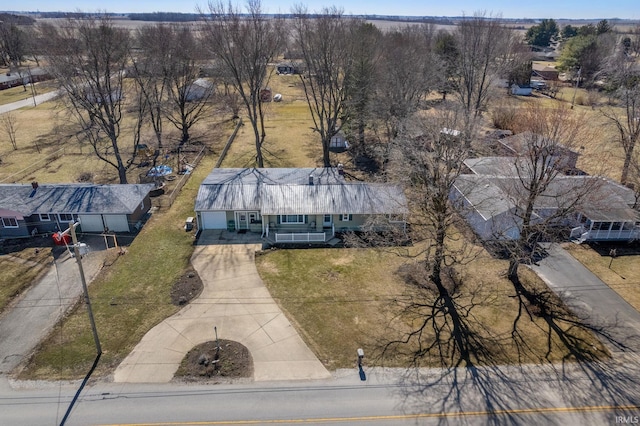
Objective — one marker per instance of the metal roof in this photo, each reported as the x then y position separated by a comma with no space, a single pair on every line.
600,199
289,191
73,198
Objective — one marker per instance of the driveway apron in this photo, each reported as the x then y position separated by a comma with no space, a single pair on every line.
591,299
235,300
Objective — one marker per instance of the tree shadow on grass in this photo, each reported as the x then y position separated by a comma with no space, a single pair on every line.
474,386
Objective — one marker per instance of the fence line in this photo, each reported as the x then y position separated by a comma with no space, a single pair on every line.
223,154
171,197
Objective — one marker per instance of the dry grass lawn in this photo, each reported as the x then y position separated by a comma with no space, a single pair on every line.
18,270
341,300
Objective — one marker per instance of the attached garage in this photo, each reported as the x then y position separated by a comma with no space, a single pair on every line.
91,222
116,222
214,220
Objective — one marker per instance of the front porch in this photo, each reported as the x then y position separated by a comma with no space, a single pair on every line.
220,236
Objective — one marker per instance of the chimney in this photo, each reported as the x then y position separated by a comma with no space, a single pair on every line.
34,186
310,179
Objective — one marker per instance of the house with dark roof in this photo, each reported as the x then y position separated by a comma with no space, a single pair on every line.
544,72
294,205
519,144
27,210
492,196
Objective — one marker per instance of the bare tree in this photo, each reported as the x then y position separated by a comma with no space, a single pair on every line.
13,43
624,77
327,50
149,76
361,87
189,96
246,44
407,72
89,59
426,161
483,47
9,126
535,184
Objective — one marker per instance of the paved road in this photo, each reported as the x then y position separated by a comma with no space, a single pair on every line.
236,301
591,299
39,309
566,395
45,97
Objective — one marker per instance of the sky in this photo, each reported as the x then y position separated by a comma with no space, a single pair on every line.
571,9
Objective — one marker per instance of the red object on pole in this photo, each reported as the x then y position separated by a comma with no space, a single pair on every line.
61,239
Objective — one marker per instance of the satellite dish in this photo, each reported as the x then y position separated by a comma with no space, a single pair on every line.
277,97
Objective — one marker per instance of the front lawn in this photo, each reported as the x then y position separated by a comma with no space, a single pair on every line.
344,299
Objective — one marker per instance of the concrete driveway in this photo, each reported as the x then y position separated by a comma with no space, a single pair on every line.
591,299
234,300
34,314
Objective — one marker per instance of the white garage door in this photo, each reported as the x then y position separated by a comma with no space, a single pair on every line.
91,223
214,220
116,222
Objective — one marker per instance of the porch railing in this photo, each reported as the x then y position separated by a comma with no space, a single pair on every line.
300,237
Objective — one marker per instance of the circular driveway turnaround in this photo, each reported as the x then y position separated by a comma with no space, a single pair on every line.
235,300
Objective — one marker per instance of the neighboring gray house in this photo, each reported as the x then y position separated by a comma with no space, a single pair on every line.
491,197
293,205
27,210
518,145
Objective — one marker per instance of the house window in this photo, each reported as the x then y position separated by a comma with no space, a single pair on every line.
9,222
601,226
292,218
65,217
615,226
346,217
45,217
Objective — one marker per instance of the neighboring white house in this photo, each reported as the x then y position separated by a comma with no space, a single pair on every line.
339,142
198,90
292,205
521,90
492,196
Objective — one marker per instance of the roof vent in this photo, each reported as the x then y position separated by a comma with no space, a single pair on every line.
310,179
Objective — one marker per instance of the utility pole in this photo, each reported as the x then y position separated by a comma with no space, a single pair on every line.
573,100
78,255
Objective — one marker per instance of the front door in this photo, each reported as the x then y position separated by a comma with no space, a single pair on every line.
327,221
243,219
